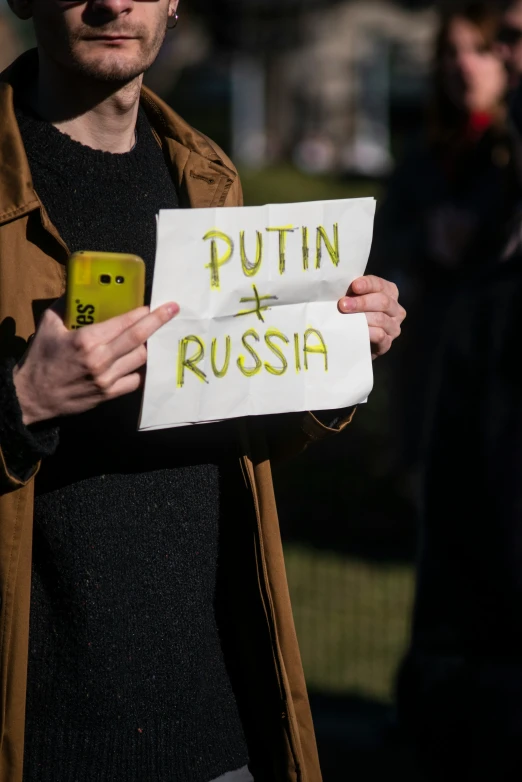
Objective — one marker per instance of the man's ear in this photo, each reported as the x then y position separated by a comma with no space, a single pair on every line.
173,7
22,8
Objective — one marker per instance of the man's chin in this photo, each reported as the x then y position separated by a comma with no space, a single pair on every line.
115,66
117,72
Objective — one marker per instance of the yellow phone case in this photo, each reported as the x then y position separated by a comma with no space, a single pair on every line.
102,285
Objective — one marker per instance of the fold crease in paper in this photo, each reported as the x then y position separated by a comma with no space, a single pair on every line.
295,350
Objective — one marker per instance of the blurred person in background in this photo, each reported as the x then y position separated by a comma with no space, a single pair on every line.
440,221
460,686
459,690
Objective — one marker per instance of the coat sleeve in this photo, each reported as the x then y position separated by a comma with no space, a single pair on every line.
21,447
292,433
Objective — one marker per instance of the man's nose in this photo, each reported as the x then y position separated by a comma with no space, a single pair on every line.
112,8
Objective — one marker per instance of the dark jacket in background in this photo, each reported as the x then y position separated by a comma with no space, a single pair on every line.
460,689
447,215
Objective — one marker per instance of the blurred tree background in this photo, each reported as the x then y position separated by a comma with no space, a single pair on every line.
316,100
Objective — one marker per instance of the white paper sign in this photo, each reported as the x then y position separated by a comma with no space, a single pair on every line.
258,330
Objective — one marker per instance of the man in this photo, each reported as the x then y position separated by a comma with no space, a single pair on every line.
161,644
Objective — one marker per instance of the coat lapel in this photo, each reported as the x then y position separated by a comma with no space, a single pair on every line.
203,173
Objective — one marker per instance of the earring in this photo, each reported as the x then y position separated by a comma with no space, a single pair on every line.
175,18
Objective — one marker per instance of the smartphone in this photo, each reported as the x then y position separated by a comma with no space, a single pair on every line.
102,285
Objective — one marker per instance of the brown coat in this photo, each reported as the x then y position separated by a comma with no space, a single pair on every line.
274,706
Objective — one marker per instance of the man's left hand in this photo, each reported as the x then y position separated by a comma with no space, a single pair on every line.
379,300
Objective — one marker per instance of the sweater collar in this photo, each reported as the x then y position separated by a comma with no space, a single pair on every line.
202,173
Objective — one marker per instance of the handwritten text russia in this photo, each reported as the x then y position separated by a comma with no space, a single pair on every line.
192,349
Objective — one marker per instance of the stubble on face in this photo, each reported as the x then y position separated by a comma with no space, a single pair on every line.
78,48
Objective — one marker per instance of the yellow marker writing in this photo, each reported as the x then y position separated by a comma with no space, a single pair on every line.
216,261
283,231
251,269
213,350
250,371
190,363
321,348
333,250
272,334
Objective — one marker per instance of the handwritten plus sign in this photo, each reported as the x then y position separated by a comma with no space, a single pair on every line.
259,308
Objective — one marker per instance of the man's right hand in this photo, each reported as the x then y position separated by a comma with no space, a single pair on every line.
68,372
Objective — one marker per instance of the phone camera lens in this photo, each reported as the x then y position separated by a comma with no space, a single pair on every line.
105,279
120,280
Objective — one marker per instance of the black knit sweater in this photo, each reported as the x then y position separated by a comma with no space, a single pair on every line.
126,679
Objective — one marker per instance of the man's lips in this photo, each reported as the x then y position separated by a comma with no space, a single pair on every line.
112,38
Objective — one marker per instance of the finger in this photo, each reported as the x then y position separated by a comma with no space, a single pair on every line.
371,302
59,307
126,365
110,329
138,333
372,284
52,317
382,321
93,341
126,385
380,341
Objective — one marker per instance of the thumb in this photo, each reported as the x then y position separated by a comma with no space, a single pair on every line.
59,307
53,317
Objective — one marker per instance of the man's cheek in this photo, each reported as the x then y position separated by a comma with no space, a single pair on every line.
50,29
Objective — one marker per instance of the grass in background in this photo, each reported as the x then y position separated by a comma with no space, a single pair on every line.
285,184
352,619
